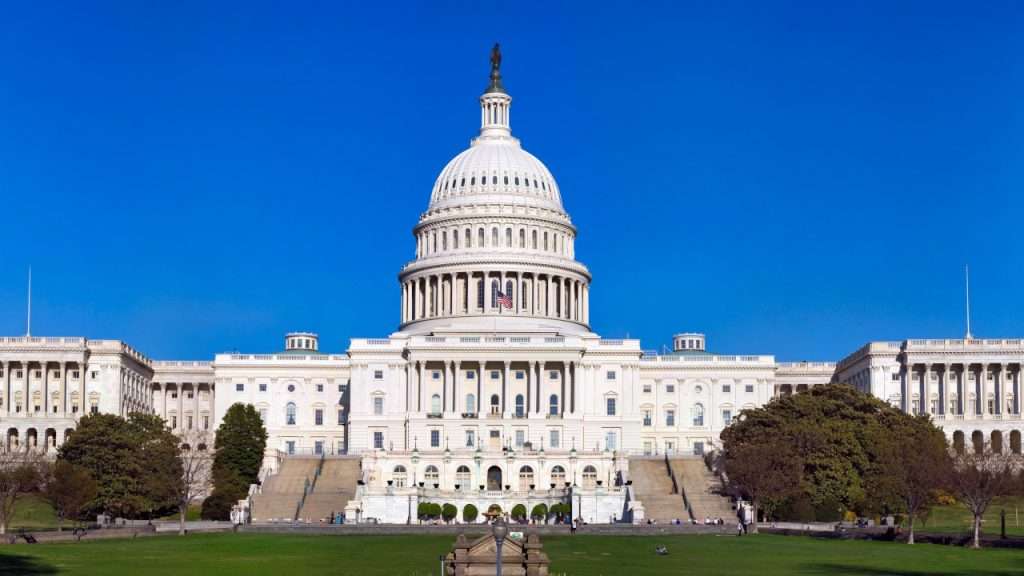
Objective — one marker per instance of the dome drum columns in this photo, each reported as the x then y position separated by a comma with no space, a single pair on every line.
499,293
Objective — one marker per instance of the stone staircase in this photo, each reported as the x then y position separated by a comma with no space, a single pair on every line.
281,493
335,486
703,490
653,487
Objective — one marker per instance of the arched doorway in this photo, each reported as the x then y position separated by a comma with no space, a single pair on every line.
1015,441
494,478
997,442
978,439
958,441
12,439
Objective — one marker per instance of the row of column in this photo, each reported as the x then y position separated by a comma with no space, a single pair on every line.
437,241
456,388
445,295
948,377
165,388
62,386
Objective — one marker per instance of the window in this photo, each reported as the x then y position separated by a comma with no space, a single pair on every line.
553,405
435,374
470,438
188,422
470,375
647,417
206,422
174,421
263,415
378,374
318,417
263,387
291,387
435,404
553,438
463,477
289,414
749,388
670,417
698,415
341,387
378,440
590,476
495,404
239,387
520,374
647,388
470,404
378,406
670,388
610,375
341,417
495,375
94,409
435,438
609,440
558,476
520,407
553,374
318,447
74,374
726,388
610,406
319,387
95,374
290,446
526,478
399,476
727,417
520,438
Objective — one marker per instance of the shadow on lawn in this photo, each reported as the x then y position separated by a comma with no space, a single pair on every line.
851,570
27,565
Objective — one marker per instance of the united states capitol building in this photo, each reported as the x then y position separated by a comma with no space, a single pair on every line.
494,389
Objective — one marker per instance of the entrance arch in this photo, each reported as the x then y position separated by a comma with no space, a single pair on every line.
494,478
1015,442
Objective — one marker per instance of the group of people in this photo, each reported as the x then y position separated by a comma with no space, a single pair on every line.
708,521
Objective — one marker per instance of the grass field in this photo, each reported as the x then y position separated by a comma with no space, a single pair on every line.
270,554
957,519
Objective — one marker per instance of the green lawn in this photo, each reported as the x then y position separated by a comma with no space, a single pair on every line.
271,554
33,513
957,519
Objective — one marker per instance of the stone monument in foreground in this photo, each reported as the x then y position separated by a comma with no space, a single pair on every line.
479,557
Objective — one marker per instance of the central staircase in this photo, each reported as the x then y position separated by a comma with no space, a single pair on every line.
703,489
654,488
281,493
335,486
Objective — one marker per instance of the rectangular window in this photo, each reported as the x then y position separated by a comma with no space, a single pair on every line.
74,375
188,422
670,417
554,438
263,415
94,375
94,410
495,375
750,388
318,447
647,388
520,374
318,416
470,375
263,387
378,374
341,417
647,417
727,417
39,374
290,446
470,438
319,387
378,440
520,438
174,421
341,387
435,438
435,374
610,406
670,388
239,387
726,388
553,374
609,440
610,375
206,422
378,406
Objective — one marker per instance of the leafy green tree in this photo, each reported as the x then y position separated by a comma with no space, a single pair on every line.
539,512
240,443
69,488
761,472
159,457
423,510
519,512
470,513
449,512
435,510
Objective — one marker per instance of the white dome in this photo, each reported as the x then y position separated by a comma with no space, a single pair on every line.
496,171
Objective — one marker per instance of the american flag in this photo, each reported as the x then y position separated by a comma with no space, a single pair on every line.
504,299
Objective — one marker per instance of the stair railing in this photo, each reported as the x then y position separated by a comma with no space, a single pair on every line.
679,488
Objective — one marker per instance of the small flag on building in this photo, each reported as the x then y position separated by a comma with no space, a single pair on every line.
504,299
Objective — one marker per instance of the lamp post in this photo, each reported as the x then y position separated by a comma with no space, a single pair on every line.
500,530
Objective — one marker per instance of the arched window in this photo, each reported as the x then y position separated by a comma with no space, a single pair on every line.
698,415
399,476
435,404
455,240
523,297
494,293
520,407
444,240
495,404
289,414
494,237
470,404
558,476
430,475
464,478
522,238
508,288
526,478
534,235
590,477
480,237
545,241
553,405
508,237
469,238
480,293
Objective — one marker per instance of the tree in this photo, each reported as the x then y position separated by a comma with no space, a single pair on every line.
914,465
134,463
69,488
449,512
519,512
763,473
196,465
435,511
20,474
469,513
240,444
423,510
539,512
977,477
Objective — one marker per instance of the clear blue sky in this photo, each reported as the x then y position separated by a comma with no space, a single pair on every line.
791,178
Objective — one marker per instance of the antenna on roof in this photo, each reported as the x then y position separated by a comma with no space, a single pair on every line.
28,321
967,296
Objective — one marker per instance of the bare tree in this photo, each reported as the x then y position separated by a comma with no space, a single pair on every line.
21,472
763,473
196,464
979,476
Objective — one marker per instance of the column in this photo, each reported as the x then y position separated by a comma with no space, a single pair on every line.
540,378
943,392
196,419
961,401
504,388
549,302
479,389
82,385
448,395
572,387
908,377
63,388
419,386
45,388
1016,390
181,406
8,396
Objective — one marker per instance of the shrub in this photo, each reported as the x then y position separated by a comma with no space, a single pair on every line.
423,511
435,510
449,512
519,512
539,512
218,506
469,513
